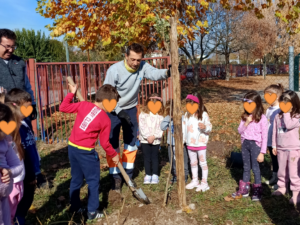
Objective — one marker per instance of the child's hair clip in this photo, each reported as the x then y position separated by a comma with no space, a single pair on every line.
158,98
246,100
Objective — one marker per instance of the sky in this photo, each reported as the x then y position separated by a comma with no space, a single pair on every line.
18,14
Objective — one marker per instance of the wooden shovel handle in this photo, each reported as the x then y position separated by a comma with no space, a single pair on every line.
126,177
78,94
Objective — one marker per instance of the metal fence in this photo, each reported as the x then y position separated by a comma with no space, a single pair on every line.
218,71
50,87
49,80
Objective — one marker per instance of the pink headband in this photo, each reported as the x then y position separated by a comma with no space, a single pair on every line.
192,97
159,98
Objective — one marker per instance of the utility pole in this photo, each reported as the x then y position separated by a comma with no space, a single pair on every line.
67,51
291,68
67,57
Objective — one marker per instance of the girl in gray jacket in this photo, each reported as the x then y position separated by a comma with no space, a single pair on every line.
165,124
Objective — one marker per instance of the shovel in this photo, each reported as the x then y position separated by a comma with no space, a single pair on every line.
137,192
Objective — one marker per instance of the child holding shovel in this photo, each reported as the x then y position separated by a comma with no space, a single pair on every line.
91,122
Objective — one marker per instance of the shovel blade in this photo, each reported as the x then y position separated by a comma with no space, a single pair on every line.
140,195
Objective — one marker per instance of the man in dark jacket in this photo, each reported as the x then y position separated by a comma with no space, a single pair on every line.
13,72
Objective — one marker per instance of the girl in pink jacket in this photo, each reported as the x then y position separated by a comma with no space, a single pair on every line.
286,145
254,136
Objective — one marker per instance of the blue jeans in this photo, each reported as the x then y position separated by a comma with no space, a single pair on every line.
84,165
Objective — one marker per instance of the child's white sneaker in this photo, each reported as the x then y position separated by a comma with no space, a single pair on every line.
154,179
202,187
193,184
147,179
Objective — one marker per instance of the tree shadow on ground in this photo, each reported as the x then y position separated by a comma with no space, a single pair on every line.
278,209
56,166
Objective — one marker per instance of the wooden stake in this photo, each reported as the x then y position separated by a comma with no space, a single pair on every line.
177,117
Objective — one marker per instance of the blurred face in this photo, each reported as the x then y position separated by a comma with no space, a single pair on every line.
100,105
7,48
26,104
134,59
276,102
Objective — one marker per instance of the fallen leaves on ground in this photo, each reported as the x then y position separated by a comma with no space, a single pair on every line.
54,166
104,166
32,209
61,198
187,209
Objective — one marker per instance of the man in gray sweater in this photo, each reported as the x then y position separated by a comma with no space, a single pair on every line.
126,76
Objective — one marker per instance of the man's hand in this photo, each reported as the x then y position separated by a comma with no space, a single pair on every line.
6,176
260,158
72,88
169,71
151,139
274,150
123,115
116,159
33,115
201,126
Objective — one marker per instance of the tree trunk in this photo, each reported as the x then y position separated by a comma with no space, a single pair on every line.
247,66
227,67
196,74
276,64
265,67
177,113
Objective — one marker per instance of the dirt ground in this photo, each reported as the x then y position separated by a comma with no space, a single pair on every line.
151,214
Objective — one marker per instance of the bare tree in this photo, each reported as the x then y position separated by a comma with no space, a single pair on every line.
229,41
203,45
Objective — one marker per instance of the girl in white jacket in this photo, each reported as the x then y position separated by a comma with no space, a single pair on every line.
150,136
196,128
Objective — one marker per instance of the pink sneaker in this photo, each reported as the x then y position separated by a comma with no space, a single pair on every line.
193,184
202,187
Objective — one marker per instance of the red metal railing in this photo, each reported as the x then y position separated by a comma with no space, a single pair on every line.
50,84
